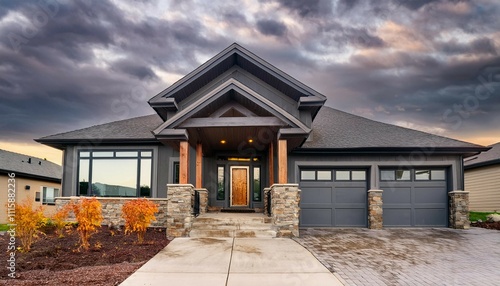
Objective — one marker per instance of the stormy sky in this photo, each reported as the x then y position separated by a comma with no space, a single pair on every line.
428,65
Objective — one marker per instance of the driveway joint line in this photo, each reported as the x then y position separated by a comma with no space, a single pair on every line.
230,261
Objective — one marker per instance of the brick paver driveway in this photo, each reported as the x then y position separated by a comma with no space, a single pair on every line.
408,256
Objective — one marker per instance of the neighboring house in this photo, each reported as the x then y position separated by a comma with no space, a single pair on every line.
482,180
237,125
35,179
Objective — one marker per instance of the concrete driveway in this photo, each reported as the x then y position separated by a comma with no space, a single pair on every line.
233,262
407,256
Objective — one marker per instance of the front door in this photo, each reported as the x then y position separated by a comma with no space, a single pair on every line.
239,186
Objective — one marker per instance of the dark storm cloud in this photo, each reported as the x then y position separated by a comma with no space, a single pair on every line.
311,8
234,17
134,69
414,4
344,5
94,62
8,5
477,46
271,27
65,75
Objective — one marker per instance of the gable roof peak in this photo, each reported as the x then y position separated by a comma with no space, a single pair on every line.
234,55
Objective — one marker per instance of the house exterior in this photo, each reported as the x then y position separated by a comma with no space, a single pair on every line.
482,180
34,179
237,126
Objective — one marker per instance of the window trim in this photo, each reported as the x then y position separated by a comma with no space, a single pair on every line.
316,175
333,175
90,157
413,174
350,175
430,174
176,167
394,170
43,196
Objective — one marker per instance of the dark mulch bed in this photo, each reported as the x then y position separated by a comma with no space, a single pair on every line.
58,261
488,225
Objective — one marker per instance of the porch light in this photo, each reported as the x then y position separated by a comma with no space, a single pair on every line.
250,140
238,159
223,142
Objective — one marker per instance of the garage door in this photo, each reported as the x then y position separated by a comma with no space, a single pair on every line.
416,197
333,198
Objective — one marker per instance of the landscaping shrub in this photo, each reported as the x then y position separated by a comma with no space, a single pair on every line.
138,215
29,220
88,214
59,219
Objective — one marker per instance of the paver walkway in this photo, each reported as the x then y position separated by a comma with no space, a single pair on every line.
408,256
233,261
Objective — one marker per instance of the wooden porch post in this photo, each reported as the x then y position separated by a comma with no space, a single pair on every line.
282,162
271,163
199,165
184,162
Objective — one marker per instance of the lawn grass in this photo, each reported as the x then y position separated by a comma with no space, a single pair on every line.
4,227
475,216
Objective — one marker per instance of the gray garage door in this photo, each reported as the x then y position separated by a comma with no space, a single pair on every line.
416,197
333,198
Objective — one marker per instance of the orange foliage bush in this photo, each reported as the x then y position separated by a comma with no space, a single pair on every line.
138,215
88,214
59,219
28,220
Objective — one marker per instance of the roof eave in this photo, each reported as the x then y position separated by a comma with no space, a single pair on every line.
465,151
482,164
32,176
62,143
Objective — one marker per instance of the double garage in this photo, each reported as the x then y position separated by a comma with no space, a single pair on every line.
337,197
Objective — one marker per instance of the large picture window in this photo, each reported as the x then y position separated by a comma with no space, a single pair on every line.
120,173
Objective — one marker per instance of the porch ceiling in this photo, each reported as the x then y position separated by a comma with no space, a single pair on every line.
245,140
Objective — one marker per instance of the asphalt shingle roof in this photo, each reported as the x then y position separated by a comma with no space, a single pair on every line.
485,158
20,164
134,128
334,129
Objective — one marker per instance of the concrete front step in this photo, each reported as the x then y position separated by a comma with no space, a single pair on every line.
228,220
253,226
232,225
199,233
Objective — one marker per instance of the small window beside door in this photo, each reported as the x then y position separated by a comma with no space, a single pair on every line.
221,190
256,194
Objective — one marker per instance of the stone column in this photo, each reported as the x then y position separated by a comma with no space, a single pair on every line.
459,209
203,200
285,210
179,209
375,209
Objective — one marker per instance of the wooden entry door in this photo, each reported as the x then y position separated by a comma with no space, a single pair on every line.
239,186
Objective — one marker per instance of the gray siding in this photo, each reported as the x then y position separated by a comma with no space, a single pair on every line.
69,172
166,158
